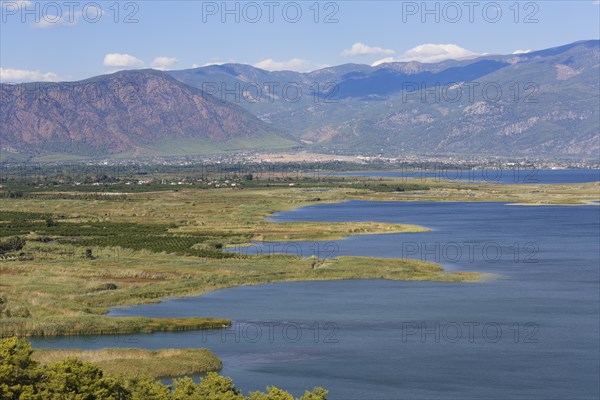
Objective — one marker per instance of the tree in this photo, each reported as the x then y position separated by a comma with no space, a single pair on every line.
272,394
211,387
317,393
18,372
74,379
185,389
144,388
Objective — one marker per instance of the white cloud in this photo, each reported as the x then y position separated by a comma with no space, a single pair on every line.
295,64
163,63
383,61
361,49
208,64
122,61
9,75
522,51
431,53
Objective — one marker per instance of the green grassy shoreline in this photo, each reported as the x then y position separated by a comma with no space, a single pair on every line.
150,246
272,270
102,325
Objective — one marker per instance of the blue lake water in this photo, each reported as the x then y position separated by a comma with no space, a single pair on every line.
499,175
532,333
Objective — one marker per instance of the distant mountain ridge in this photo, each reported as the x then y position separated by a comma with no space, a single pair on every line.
549,106
143,112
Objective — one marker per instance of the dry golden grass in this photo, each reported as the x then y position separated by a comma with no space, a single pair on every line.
135,362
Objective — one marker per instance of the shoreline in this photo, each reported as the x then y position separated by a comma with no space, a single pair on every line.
582,203
142,277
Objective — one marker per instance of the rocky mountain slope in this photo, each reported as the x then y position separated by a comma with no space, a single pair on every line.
133,112
540,103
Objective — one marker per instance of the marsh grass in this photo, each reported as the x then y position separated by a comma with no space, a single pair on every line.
164,363
64,299
99,325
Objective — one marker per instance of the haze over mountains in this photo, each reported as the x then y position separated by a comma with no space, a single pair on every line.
543,103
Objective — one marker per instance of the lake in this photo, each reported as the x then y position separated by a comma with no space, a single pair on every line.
531,333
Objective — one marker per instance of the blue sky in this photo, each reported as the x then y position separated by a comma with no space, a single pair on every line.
70,41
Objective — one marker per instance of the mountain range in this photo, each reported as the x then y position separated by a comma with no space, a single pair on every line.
544,103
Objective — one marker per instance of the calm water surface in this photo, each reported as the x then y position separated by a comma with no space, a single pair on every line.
533,333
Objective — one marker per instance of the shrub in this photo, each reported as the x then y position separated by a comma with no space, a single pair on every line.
13,244
50,222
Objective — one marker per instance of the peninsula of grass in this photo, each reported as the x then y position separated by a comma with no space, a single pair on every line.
82,255
94,325
164,363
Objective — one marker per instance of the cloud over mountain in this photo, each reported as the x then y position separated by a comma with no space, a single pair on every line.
431,53
361,49
10,75
163,63
122,61
295,64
